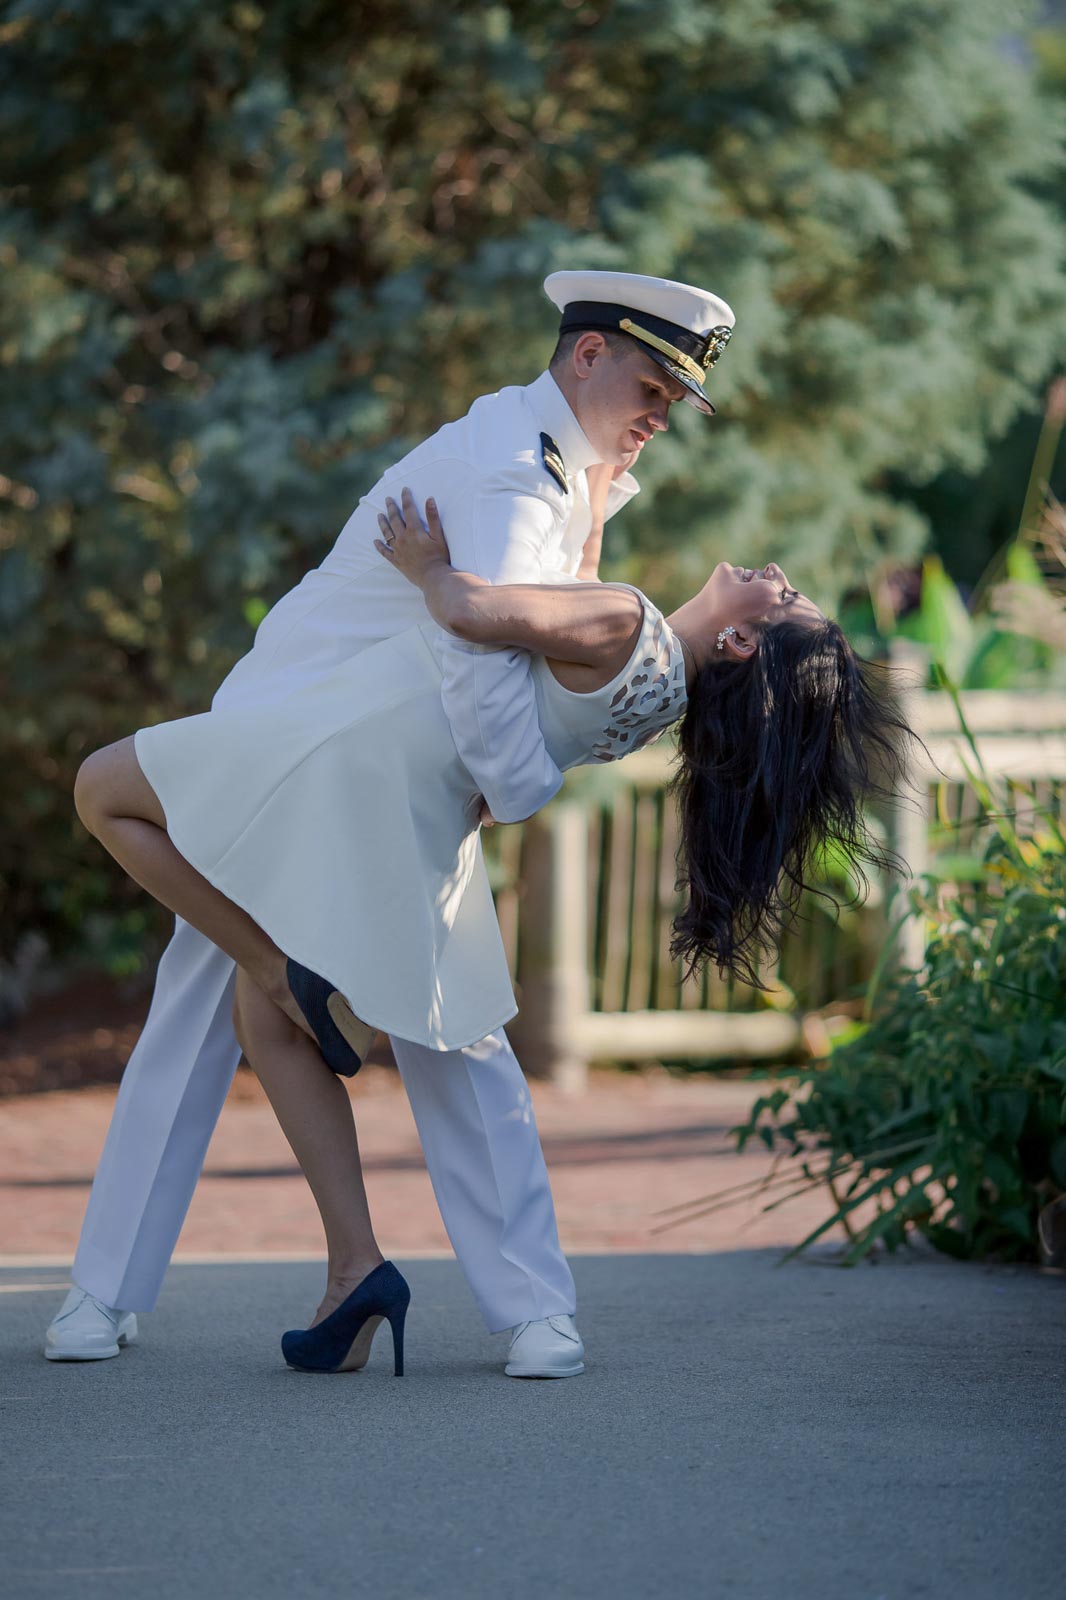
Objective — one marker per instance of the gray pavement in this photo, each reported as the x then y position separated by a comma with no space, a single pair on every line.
743,1430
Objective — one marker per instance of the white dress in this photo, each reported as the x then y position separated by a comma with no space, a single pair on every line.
340,817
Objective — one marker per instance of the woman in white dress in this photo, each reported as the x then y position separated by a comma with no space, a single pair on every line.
327,841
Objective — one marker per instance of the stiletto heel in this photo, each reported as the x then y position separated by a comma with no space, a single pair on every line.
396,1322
341,1342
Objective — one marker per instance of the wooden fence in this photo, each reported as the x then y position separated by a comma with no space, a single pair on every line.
586,896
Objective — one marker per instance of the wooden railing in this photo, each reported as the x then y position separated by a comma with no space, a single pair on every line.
585,895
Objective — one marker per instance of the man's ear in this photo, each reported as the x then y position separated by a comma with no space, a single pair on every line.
589,349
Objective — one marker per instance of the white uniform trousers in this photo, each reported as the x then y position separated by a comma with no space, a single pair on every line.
471,1107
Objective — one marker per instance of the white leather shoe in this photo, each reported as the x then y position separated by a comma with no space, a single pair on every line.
548,1348
84,1329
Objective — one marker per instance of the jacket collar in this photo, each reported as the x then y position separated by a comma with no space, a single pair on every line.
553,412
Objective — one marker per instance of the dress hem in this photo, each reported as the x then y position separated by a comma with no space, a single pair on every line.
218,882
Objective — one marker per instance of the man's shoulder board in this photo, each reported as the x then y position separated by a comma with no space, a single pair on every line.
553,461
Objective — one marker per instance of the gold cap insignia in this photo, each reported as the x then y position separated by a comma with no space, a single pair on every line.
717,340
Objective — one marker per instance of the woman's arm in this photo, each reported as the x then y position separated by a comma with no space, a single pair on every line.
589,624
598,478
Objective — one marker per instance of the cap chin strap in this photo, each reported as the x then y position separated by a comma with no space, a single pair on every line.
686,363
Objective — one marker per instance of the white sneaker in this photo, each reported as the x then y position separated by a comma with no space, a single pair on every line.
84,1329
548,1348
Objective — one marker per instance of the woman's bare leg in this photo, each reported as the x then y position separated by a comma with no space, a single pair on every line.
118,805
315,1113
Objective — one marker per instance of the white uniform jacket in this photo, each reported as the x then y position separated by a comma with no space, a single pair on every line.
506,518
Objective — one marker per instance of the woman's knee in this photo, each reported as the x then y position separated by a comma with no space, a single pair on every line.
110,784
91,788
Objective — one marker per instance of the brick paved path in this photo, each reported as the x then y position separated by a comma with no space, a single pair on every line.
630,1146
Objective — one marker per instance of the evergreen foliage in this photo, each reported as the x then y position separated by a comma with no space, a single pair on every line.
975,515
250,252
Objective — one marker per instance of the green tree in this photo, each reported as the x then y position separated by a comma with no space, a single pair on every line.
250,251
975,515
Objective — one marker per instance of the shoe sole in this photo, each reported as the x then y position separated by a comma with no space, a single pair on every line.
91,1355
570,1372
355,1032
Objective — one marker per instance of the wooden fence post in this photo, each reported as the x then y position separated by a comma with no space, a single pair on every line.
911,841
910,813
553,948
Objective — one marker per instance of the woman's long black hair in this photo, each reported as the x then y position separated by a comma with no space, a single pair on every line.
778,756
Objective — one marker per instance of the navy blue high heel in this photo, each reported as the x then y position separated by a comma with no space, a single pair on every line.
342,1038
341,1342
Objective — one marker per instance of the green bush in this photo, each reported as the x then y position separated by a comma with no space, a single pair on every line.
949,1109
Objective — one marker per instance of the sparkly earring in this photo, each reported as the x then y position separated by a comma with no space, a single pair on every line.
723,636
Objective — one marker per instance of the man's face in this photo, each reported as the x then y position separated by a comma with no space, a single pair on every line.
624,399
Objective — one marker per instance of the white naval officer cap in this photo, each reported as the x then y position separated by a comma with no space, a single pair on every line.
683,328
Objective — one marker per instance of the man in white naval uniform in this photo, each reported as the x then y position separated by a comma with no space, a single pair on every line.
509,480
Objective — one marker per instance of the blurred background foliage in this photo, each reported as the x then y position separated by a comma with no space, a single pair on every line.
250,253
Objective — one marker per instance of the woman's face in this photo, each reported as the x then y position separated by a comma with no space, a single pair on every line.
739,595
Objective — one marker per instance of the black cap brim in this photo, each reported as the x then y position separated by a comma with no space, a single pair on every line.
695,395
